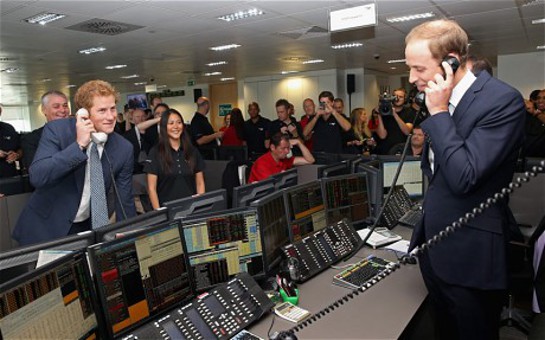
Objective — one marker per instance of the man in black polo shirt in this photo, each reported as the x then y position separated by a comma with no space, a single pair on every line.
328,126
395,126
10,149
202,131
256,132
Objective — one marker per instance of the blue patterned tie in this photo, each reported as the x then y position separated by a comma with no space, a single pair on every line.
99,210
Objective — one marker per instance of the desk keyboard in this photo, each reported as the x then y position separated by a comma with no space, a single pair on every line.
360,273
411,218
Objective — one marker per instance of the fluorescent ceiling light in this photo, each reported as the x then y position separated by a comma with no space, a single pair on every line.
288,72
224,47
343,46
45,80
313,61
396,61
161,86
209,74
541,47
411,17
241,15
538,21
113,67
44,18
393,68
70,86
217,63
139,84
227,79
10,70
131,76
92,50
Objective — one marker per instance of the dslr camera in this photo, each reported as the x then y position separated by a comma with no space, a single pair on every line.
385,104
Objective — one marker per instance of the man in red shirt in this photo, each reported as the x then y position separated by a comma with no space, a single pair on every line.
276,159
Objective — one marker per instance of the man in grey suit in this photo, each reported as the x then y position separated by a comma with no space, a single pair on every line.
60,171
473,133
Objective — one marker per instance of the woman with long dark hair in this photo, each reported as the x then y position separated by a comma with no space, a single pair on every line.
234,134
175,167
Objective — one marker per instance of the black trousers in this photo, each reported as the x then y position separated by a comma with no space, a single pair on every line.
462,312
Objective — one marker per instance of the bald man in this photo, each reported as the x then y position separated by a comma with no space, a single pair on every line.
202,131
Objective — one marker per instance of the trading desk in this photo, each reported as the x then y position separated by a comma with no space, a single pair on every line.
381,312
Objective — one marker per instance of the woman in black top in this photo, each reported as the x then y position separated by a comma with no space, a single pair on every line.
175,167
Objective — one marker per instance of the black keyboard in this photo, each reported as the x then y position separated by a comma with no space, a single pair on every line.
360,273
411,218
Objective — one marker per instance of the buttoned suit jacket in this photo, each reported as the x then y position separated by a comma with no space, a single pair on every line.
475,152
58,174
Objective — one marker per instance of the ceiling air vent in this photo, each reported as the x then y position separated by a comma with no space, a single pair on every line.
106,27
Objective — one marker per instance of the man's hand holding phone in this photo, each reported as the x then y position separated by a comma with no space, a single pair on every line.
84,128
439,91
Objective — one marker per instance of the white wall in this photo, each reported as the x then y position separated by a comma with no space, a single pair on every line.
523,71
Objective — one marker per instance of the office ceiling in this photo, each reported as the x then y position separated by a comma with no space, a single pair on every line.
167,42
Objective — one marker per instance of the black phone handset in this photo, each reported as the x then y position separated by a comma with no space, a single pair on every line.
420,98
412,257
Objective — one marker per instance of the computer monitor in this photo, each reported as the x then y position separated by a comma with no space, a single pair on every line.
21,260
335,169
410,176
346,197
131,225
271,213
245,194
305,209
52,302
208,202
285,179
140,276
354,163
222,244
374,184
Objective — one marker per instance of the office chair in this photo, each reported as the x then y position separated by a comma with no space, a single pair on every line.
524,279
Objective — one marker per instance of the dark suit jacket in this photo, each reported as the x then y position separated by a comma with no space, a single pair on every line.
475,152
131,137
29,144
58,173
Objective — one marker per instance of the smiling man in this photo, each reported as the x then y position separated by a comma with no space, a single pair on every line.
61,173
474,132
54,106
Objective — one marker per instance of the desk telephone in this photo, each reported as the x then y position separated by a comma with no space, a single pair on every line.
411,258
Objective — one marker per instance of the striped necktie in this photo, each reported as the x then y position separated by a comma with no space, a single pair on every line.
99,209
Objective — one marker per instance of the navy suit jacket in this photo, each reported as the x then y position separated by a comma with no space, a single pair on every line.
58,174
475,153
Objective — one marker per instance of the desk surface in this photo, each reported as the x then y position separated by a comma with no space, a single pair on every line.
381,312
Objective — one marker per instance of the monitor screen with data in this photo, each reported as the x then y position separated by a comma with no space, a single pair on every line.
410,176
346,197
305,209
140,276
55,301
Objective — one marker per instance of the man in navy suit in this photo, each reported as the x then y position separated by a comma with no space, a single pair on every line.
60,171
473,133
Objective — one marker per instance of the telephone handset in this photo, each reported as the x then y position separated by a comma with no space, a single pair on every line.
420,97
96,137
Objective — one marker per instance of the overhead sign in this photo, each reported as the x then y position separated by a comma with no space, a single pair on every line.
151,88
191,83
354,17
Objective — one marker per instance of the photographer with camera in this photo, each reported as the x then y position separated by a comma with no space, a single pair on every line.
328,125
393,121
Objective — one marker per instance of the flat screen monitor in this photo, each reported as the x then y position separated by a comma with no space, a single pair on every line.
285,179
354,163
208,202
140,276
131,225
222,244
271,213
55,301
137,101
21,260
305,209
335,169
410,176
346,197
374,184
245,194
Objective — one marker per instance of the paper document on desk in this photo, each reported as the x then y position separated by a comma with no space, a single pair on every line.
401,247
380,237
